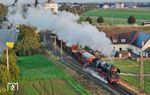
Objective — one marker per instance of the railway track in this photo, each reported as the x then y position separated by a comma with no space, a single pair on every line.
114,89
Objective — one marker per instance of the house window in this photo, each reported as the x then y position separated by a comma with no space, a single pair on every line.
114,41
120,49
123,40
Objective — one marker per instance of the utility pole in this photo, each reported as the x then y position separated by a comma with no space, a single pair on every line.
7,57
8,45
141,72
55,45
44,38
61,48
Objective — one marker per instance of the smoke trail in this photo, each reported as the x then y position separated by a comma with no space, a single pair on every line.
9,2
66,26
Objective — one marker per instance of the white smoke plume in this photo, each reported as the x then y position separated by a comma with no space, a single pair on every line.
64,24
9,2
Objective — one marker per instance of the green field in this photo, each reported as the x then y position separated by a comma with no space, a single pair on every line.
128,66
118,16
39,76
134,80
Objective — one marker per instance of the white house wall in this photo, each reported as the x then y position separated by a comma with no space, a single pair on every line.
136,50
147,45
52,6
123,46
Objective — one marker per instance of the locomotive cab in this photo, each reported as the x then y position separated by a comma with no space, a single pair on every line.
109,71
114,75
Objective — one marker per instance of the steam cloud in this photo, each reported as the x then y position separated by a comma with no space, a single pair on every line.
64,24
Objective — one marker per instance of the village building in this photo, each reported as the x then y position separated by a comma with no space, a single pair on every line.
135,42
51,5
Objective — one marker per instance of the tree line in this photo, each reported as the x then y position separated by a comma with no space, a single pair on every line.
77,9
131,20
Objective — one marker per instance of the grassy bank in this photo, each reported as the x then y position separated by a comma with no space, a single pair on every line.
39,76
128,66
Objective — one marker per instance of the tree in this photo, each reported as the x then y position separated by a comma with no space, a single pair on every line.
4,79
131,20
13,68
3,11
100,20
8,75
28,41
16,1
36,3
89,20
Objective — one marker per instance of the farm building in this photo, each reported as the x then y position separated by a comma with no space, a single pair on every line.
133,41
52,6
147,23
119,4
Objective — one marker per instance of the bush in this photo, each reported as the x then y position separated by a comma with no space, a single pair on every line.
28,41
89,20
100,20
131,20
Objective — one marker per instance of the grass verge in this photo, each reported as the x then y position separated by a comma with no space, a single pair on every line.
39,76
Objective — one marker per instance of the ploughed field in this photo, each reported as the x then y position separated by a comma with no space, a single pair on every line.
40,76
132,68
118,16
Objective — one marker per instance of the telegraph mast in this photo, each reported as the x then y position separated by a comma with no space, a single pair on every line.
141,72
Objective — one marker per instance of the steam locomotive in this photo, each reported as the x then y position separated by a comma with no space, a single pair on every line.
107,71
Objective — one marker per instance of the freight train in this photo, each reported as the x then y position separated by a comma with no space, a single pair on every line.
107,71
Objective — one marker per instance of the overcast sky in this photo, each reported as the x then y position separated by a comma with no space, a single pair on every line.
104,0
101,1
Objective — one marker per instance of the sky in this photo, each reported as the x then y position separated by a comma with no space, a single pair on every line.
101,1
105,0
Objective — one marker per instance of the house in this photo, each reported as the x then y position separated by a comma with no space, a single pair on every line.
119,4
105,6
137,42
52,6
146,23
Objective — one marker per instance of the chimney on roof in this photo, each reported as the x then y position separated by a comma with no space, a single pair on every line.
51,1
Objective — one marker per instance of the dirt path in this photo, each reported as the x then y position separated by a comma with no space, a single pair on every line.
131,74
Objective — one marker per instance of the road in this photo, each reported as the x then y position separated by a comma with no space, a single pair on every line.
7,35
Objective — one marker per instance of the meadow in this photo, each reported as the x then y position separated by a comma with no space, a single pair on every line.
130,66
118,16
40,76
